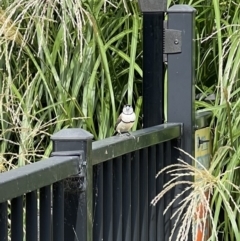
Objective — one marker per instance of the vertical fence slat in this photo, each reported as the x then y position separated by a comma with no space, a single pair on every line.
144,194
98,203
31,216
45,213
71,206
126,172
17,219
58,211
169,195
117,199
159,182
151,192
175,154
3,222
108,200
135,196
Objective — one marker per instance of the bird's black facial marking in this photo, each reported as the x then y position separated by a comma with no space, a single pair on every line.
127,110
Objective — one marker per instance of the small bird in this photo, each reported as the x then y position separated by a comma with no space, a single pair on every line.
126,120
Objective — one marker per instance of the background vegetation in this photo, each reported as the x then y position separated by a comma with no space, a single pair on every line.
65,63
69,63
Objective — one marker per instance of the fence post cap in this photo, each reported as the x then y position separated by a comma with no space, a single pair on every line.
179,8
72,134
152,6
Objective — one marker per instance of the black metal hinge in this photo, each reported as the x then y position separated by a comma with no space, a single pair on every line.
172,42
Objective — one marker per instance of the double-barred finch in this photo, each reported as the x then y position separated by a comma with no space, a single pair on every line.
126,120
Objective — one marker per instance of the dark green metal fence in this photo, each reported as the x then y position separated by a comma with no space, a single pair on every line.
52,199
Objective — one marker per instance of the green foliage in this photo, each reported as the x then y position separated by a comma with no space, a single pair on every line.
65,64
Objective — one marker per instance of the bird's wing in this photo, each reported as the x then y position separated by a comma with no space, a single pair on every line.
118,121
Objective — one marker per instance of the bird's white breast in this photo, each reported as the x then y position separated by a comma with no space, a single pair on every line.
124,127
128,118
126,122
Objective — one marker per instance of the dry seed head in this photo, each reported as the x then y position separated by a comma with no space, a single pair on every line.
8,30
194,211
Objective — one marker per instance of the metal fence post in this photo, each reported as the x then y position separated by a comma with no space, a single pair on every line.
181,74
153,68
77,190
181,80
153,96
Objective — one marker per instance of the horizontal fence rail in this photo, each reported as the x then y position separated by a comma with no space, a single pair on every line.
113,147
34,176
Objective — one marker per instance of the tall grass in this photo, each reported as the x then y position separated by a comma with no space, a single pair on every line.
225,67
64,63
